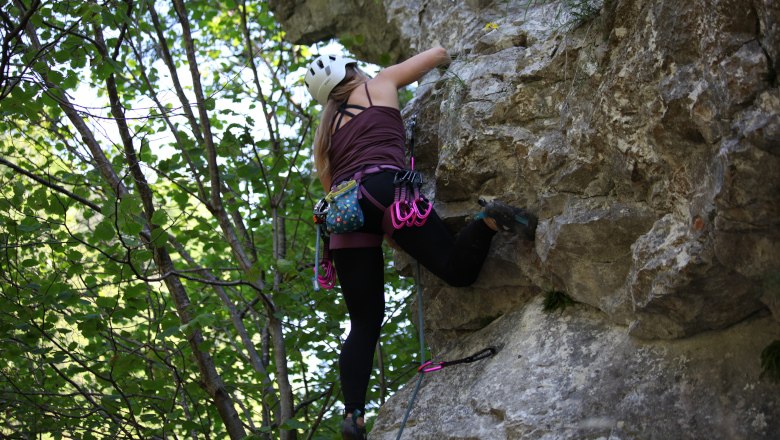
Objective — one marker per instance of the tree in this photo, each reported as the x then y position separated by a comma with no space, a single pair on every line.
156,251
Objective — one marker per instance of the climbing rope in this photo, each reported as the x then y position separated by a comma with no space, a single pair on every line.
430,366
407,195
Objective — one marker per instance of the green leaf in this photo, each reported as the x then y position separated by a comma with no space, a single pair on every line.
248,171
132,227
90,325
206,346
104,69
105,302
160,217
149,418
130,205
104,231
29,224
159,237
291,424
169,331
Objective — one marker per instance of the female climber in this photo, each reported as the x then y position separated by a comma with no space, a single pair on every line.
361,136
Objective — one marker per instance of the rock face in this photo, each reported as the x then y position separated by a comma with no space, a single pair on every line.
647,139
573,376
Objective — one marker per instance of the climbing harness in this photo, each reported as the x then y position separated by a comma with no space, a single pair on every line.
324,271
430,366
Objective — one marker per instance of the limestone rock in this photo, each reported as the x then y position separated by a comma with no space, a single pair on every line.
573,376
647,139
362,25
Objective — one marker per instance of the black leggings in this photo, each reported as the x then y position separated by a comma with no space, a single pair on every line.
456,260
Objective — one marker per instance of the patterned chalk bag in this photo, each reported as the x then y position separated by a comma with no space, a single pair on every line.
344,213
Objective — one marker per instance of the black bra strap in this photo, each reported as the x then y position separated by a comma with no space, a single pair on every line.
343,109
367,94
338,121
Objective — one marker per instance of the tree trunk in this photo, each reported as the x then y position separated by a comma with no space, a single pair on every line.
211,379
275,325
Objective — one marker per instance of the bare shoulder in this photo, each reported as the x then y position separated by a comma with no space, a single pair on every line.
383,92
383,88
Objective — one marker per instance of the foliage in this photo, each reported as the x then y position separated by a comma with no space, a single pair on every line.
155,247
556,300
770,361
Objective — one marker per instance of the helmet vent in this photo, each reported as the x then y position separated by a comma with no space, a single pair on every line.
319,63
332,58
327,70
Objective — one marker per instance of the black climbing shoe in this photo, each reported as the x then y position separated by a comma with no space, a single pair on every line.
350,430
510,219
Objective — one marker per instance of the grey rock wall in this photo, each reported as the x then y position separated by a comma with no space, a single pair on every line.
573,376
648,141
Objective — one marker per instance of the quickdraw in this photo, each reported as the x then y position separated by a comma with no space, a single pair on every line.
409,208
431,366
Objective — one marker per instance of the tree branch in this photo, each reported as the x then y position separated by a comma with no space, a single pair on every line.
48,184
213,381
11,35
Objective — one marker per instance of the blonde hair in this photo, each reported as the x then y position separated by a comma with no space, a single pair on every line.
340,94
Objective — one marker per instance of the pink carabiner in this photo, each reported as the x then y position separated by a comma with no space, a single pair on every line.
427,368
327,278
421,216
398,218
412,220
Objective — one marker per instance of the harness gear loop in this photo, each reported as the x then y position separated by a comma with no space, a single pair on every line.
409,207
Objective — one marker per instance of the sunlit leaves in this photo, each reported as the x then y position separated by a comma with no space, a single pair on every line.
104,231
90,322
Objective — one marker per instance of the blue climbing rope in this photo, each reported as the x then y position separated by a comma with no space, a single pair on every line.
421,331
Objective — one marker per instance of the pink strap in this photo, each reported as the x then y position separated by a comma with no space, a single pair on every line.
371,198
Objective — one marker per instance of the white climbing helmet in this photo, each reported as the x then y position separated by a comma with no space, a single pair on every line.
325,73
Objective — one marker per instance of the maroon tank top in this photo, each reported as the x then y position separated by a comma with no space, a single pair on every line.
373,137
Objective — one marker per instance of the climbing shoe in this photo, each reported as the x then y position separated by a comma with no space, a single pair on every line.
350,430
510,219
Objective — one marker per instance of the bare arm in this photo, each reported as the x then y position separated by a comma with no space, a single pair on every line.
384,87
414,68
